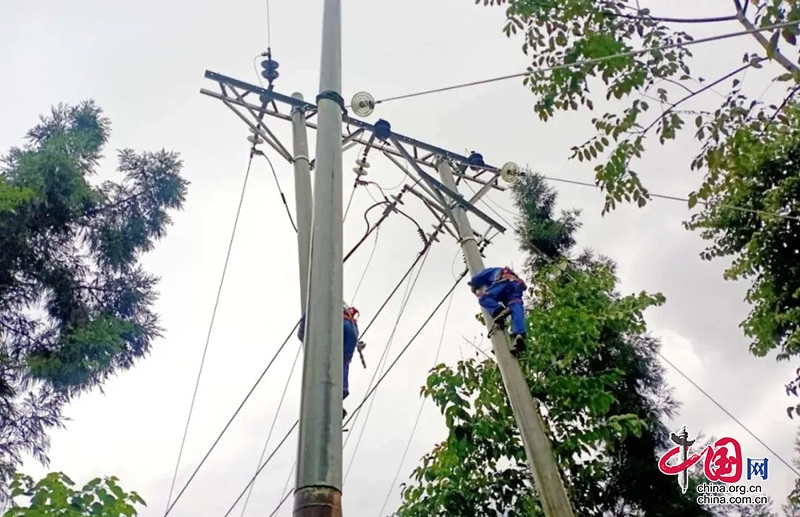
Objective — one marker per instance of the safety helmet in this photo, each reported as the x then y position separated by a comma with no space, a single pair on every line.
352,312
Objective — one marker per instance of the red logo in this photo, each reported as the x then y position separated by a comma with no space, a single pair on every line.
721,462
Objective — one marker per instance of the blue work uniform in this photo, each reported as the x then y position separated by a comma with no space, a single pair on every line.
349,348
502,286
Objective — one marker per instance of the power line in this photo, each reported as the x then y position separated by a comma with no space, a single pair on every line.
366,268
394,363
709,397
280,190
210,328
349,201
419,413
591,61
381,360
274,421
230,421
252,480
685,200
706,394
403,306
269,28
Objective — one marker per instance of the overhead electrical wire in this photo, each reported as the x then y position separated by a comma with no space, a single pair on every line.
210,329
230,421
391,366
380,309
280,190
366,268
421,406
685,200
274,421
382,362
592,61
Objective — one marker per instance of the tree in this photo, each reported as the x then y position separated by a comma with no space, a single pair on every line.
601,35
594,368
75,305
54,495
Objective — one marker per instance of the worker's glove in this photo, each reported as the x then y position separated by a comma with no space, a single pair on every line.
360,347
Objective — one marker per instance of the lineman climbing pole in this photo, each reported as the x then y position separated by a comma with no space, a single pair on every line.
526,411
318,488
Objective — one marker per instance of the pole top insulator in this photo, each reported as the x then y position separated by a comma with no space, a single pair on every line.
270,66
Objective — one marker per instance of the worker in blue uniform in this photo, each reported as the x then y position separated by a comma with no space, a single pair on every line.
497,289
350,316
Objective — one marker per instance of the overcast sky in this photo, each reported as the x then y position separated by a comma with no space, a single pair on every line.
143,62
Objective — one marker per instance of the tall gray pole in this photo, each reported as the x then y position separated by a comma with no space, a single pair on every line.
302,196
318,487
526,411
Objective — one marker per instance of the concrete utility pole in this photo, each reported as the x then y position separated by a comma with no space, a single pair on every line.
526,411
302,195
318,486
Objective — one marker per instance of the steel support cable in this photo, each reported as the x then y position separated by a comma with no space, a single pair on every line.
394,363
274,421
235,414
382,363
592,61
419,413
210,329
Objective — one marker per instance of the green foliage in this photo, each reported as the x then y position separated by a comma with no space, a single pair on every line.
595,33
595,371
746,146
54,495
762,175
75,305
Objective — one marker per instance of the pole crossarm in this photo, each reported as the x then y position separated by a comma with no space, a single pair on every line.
415,158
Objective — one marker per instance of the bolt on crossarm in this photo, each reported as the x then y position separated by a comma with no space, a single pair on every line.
526,410
318,491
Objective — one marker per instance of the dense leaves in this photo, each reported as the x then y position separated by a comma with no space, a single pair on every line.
745,144
75,305
601,35
594,368
744,221
55,495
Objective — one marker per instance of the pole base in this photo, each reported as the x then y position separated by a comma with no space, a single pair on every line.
320,501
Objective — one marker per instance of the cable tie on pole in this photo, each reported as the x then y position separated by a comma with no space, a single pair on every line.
468,238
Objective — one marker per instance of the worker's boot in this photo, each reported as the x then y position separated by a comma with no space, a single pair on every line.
498,317
518,345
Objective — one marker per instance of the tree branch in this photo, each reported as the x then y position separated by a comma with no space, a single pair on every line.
701,90
779,57
784,103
